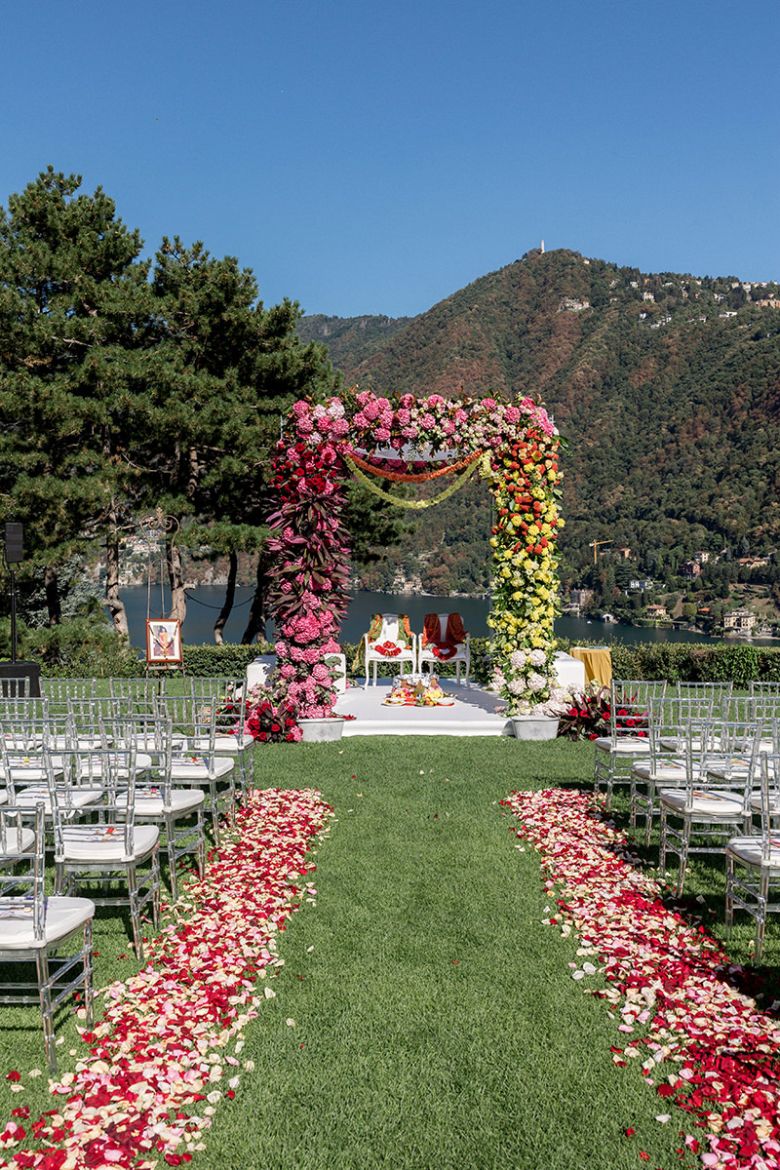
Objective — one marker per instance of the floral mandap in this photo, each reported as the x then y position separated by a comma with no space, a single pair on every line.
513,446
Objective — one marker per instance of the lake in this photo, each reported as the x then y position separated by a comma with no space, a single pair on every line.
204,604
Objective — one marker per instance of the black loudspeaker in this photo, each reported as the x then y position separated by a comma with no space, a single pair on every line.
20,680
14,537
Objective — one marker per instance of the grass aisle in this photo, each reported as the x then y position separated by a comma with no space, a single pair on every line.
436,1021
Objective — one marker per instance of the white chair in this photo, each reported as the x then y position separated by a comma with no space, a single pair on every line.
196,761
629,728
753,860
714,802
438,651
228,697
113,850
33,928
389,641
179,811
669,721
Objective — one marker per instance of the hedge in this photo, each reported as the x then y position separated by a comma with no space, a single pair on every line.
739,663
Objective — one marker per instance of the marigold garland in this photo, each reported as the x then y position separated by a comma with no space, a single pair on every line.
399,501
354,460
704,1044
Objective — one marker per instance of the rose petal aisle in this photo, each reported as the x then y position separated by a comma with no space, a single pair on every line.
703,1045
166,1049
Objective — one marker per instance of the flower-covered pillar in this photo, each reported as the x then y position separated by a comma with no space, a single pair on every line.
526,484
310,568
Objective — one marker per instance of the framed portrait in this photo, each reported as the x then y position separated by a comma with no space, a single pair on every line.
163,642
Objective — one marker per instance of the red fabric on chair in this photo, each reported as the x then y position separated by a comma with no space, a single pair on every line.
454,635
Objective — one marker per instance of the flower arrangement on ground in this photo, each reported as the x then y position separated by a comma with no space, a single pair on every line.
588,714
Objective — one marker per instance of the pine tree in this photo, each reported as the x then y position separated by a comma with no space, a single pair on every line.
71,298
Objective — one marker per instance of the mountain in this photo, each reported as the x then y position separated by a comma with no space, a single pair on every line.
665,386
347,336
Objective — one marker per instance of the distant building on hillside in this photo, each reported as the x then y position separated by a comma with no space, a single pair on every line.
657,611
643,584
692,569
624,552
739,621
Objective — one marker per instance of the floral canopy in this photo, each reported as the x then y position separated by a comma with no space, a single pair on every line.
512,445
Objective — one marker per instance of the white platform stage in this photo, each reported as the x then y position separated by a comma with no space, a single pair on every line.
474,713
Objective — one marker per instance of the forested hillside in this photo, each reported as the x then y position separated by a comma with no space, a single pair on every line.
666,387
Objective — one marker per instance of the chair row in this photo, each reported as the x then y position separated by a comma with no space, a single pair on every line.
106,792
443,641
708,765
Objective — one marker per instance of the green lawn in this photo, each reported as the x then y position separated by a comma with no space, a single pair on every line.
436,1022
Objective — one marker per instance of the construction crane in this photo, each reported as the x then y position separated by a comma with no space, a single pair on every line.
594,544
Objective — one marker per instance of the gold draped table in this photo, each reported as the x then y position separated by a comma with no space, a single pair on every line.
597,663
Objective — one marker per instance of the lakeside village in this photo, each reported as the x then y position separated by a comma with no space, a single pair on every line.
720,594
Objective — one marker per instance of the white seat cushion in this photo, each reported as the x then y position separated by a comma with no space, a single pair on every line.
16,843
63,916
774,804
625,745
705,803
149,802
749,850
103,843
222,743
673,771
197,771
39,794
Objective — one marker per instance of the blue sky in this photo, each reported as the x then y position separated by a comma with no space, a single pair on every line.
375,158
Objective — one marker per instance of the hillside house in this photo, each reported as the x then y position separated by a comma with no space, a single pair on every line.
657,612
692,569
640,584
739,621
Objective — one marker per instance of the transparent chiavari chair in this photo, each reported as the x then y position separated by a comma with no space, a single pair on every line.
20,708
753,859
721,694
176,810
628,740
27,759
765,689
86,717
110,852
13,687
701,816
196,761
135,694
61,689
762,707
670,718
34,928
228,694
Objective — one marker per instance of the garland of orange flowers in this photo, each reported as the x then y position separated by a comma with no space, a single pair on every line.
412,477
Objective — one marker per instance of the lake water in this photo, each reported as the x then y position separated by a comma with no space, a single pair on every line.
204,604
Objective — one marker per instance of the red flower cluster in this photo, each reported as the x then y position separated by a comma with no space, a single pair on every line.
272,721
703,1043
388,649
588,717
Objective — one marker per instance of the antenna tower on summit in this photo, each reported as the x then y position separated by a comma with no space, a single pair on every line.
541,247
